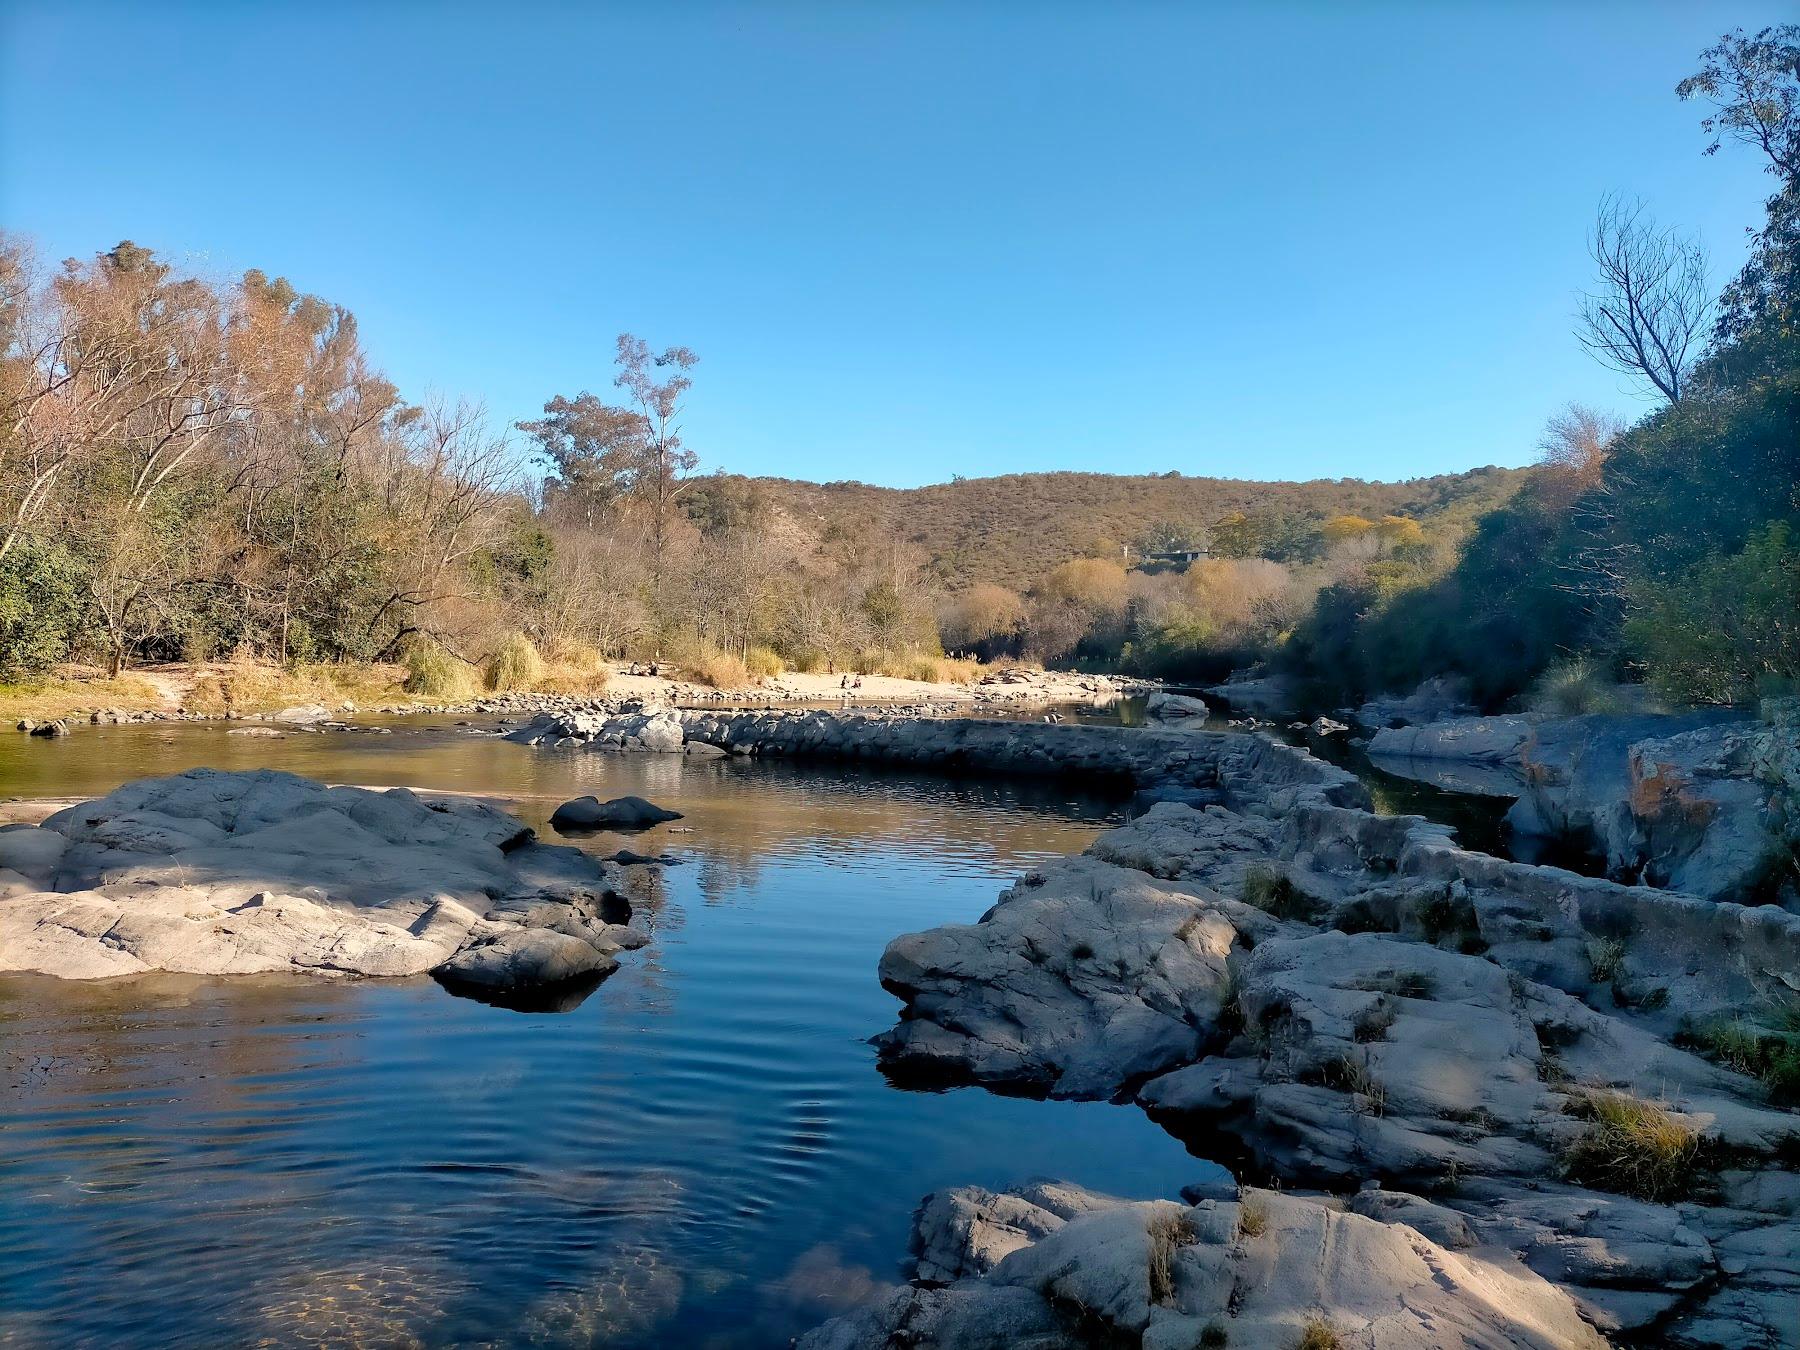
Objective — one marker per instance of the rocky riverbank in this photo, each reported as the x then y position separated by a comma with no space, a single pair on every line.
216,873
1699,802
1503,1104
170,691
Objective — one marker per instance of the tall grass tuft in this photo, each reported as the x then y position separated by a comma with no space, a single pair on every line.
1633,1147
432,672
515,665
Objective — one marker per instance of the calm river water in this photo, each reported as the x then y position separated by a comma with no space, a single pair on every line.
703,1153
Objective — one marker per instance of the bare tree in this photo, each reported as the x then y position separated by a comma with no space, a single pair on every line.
1648,317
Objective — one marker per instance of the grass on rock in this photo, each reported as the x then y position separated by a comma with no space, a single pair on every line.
1633,1147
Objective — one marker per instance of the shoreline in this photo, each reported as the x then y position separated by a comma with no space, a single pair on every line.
180,693
1434,1054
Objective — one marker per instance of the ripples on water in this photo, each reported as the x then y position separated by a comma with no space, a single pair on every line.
702,1153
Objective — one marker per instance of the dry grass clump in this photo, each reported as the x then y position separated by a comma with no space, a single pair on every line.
924,667
1167,1231
572,668
1253,1217
721,670
240,687
1607,959
1633,1147
1274,893
1318,1334
515,665
58,696
763,662
1573,688
432,672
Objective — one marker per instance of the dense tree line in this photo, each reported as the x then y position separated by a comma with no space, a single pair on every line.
191,470
1668,550
196,470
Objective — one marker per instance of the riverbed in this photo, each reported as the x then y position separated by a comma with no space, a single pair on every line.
702,1152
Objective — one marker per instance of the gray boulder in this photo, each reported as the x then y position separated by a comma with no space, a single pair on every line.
1258,1271
1082,979
237,873
1167,707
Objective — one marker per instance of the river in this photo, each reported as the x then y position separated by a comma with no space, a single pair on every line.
702,1152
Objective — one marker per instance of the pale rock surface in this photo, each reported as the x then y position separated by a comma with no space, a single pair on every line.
222,873
1082,978
1259,1269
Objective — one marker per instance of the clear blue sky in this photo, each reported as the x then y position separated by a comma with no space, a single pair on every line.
911,240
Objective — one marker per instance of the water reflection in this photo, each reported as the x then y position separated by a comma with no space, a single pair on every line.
701,1152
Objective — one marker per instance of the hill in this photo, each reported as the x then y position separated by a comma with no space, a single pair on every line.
1014,528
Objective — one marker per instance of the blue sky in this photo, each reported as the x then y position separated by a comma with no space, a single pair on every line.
912,240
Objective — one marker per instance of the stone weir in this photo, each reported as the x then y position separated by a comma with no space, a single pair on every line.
1490,1104
1163,764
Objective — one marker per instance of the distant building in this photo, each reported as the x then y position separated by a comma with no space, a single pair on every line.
1180,557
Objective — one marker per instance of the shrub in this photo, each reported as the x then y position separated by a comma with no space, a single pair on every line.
435,673
1727,629
573,668
1318,1334
1633,1147
1573,688
1274,893
514,665
41,604
721,670
762,662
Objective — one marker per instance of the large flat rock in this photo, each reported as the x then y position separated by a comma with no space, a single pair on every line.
238,873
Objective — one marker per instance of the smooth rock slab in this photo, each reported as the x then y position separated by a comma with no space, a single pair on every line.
236,873
1258,1269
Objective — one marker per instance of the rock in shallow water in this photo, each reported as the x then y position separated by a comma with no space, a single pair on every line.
590,813
234,873
1256,1271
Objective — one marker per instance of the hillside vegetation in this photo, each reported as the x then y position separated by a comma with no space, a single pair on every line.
1666,551
1013,529
195,470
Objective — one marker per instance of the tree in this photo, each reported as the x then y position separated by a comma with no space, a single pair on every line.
593,448
984,616
1575,443
657,478
1753,85
1649,313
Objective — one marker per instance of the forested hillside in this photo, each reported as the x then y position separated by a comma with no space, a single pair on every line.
1668,550
1013,529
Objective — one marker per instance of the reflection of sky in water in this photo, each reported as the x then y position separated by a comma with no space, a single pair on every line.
702,1152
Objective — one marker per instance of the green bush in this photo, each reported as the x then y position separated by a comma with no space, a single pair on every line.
1729,628
42,602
